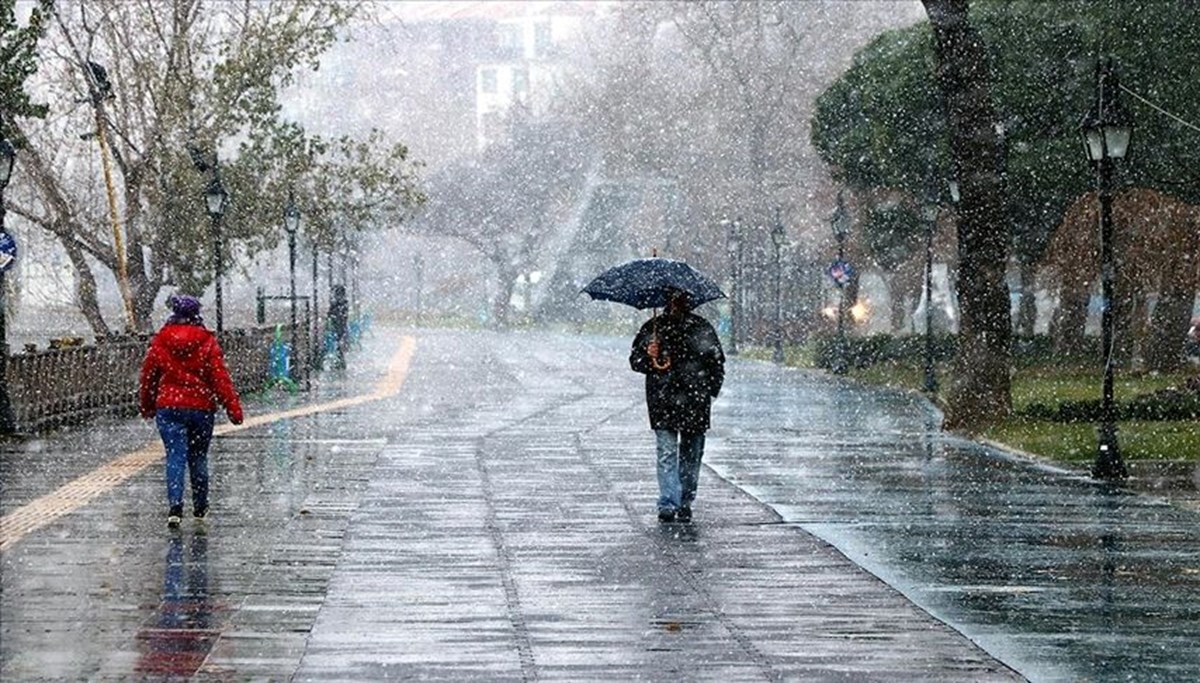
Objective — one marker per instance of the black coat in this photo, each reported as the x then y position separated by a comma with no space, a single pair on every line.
680,397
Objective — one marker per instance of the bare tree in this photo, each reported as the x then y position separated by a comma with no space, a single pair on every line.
503,204
164,91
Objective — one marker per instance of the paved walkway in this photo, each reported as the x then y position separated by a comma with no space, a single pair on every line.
483,509
492,520
1060,577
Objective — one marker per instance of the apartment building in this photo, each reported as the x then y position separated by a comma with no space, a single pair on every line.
520,71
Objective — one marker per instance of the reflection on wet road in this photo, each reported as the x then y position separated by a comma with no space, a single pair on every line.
1059,577
182,633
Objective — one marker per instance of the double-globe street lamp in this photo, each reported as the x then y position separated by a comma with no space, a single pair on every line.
840,222
216,199
778,238
8,155
291,223
1107,129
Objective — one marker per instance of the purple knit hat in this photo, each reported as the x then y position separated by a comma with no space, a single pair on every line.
184,309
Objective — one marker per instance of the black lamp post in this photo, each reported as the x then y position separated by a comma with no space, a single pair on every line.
291,223
8,155
1106,132
217,200
840,221
929,213
778,238
731,249
733,245
931,383
418,267
316,314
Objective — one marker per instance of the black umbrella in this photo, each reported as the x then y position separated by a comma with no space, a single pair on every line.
643,283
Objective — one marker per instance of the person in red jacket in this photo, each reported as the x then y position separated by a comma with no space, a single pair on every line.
183,378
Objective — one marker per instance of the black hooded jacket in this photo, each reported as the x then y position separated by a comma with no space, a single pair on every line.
680,396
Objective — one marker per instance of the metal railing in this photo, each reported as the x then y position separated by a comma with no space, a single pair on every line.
67,386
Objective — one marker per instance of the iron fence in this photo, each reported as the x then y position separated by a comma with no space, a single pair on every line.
65,386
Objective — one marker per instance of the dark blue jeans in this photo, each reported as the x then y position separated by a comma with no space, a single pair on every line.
186,435
678,461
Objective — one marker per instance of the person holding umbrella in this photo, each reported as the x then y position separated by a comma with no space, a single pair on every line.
681,357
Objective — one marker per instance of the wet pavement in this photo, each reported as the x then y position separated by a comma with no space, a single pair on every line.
1061,578
492,518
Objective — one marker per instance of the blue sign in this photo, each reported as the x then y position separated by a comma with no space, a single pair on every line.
841,272
8,251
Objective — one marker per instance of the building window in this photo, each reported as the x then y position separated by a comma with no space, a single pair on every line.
542,44
508,40
520,78
487,81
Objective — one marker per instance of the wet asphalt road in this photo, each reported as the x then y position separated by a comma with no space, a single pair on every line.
494,521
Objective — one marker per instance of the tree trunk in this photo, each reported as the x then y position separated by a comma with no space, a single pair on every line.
1069,321
501,305
1166,343
980,391
142,290
1027,308
85,289
898,305
1129,314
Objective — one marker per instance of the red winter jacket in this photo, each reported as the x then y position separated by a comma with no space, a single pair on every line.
184,368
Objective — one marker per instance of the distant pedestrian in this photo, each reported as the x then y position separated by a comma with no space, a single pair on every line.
183,378
339,319
681,356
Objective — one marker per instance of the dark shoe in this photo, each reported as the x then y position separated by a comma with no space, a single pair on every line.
175,516
666,516
200,512
684,514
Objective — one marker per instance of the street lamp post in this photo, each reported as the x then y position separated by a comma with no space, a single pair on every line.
733,245
739,290
778,237
1106,132
840,222
418,267
930,213
315,361
291,223
8,155
217,200
931,383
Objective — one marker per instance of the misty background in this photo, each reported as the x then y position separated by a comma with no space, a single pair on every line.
552,139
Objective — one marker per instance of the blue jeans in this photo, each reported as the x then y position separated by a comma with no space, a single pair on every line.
678,468
186,435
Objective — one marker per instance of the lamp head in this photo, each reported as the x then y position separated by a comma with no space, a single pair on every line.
8,155
291,216
216,198
840,220
1107,127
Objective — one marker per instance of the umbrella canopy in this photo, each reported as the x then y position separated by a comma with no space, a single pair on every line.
643,283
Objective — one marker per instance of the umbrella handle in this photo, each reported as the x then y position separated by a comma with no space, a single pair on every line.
665,363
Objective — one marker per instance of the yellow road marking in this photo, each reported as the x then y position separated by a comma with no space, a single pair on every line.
71,496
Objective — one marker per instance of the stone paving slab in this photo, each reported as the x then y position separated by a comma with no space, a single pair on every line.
493,521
